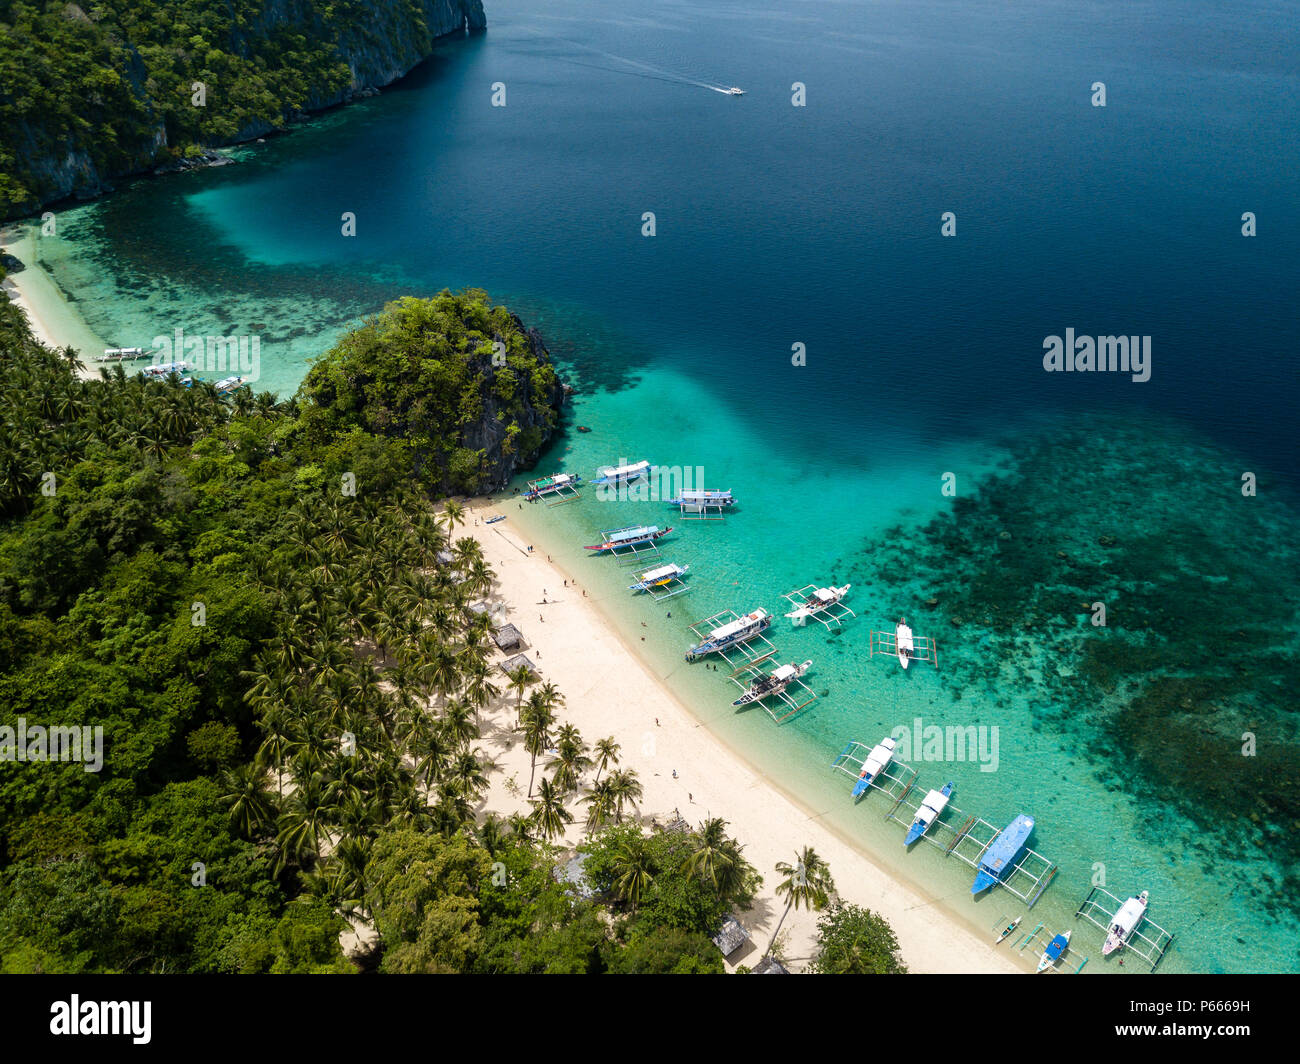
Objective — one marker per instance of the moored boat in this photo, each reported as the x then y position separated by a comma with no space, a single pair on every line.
629,537
1008,929
229,384
165,369
1002,853
550,485
659,577
773,683
821,599
710,497
1124,923
1054,950
741,630
881,755
622,474
906,643
121,354
931,806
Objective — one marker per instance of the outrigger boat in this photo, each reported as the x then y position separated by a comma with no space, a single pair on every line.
879,758
607,475
773,683
660,577
931,806
558,482
629,537
1008,929
121,354
821,599
1054,950
165,369
1125,923
229,384
702,497
903,639
1002,853
732,633
494,520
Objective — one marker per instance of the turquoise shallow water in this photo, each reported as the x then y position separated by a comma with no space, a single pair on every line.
820,226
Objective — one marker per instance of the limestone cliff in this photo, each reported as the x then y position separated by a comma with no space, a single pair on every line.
86,98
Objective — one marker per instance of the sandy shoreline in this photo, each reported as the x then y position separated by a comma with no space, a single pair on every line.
609,691
54,322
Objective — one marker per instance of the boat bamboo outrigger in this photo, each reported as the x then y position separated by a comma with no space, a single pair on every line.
662,582
902,644
734,632
165,369
632,542
931,806
822,604
1025,873
1008,929
621,474
557,488
1000,855
875,766
703,504
1126,925
229,384
121,354
782,684
1052,954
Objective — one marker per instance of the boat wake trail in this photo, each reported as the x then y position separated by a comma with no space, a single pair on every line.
635,67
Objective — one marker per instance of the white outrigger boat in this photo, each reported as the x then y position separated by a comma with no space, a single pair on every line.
653,579
774,683
817,602
734,632
1125,923
1008,929
229,384
165,369
121,354
565,484
931,806
905,643
607,475
879,758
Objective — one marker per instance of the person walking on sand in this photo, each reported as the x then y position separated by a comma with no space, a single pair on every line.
674,773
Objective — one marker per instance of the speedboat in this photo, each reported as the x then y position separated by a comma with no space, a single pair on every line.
1054,950
733,91
931,807
1125,923
881,755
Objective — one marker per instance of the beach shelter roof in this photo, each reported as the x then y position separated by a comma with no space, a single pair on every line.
770,966
510,664
731,936
507,637
479,607
443,557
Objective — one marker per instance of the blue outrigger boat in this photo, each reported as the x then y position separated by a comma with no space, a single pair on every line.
703,497
629,537
1054,950
931,807
881,755
1002,854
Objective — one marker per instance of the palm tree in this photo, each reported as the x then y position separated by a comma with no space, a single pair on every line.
633,869
711,857
625,787
600,805
520,677
606,754
251,808
572,760
807,884
535,722
549,813
453,514
466,772
458,722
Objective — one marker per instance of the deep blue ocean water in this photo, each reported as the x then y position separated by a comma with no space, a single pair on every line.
820,225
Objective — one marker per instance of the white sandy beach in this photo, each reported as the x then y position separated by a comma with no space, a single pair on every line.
608,691
52,319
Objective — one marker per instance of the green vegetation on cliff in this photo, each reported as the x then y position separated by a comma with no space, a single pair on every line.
90,92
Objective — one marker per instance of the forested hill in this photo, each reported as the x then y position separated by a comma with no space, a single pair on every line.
95,92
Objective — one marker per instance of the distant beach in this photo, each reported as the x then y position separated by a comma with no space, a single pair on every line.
54,321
